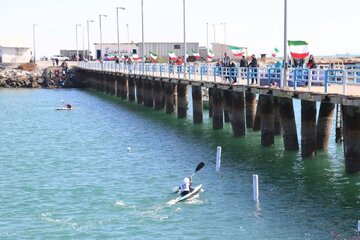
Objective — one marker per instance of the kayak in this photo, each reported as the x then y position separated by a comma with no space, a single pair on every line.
189,195
64,108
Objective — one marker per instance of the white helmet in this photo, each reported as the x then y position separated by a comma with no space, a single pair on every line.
187,180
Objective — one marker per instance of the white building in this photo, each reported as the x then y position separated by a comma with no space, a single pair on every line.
13,51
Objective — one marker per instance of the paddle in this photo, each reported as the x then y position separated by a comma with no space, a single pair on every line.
198,168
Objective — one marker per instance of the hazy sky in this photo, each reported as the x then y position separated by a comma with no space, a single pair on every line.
328,26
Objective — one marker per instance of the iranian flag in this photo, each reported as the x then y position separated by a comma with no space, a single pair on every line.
153,56
298,49
196,54
210,54
135,57
236,51
172,55
275,52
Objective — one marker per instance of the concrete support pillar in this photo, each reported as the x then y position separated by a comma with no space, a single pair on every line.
139,91
325,117
250,99
351,134
103,82
218,108
257,121
107,83
115,86
99,82
131,87
182,96
288,124
227,105
277,123
124,87
267,120
158,95
238,114
148,92
308,128
197,104
210,92
119,87
170,89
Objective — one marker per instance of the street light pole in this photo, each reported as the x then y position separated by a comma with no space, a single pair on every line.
222,47
285,84
142,33
88,38
34,43
214,32
77,48
117,26
101,46
83,38
128,39
184,39
207,36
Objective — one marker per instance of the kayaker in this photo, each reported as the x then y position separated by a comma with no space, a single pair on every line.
68,105
186,186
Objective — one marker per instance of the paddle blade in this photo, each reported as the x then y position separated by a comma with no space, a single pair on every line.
199,166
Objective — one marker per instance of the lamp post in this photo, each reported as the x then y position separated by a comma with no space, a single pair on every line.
285,84
77,48
128,44
117,27
88,21
207,36
142,36
34,54
214,32
101,46
83,38
222,47
184,39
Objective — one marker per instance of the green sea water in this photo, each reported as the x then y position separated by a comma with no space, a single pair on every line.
106,171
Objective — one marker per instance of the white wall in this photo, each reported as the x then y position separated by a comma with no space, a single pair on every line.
15,55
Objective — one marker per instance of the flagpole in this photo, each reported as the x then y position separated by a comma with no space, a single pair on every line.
285,84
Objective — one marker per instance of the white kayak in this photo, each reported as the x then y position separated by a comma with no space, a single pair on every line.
189,195
64,108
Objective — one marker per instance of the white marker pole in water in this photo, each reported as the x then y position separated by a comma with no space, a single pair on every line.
256,187
218,159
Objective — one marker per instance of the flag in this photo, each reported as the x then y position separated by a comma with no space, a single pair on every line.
210,54
236,51
275,52
153,56
298,49
172,55
195,54
135,57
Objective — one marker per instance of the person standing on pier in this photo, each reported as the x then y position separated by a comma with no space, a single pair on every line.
226,65
253,71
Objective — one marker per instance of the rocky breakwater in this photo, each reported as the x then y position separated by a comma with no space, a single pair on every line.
30,75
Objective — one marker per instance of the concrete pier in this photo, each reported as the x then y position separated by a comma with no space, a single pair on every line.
288,124
228,105
131,87
351,116
308,128
277,122
182,96
148,93
324,123
139,90
158,95
210,92
197,104
250,99
218,108
238,114
257,121
267,120
124,87
170,96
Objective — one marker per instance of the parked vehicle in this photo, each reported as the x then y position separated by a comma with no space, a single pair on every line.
59,57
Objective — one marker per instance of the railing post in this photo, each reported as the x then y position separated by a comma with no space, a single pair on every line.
326,80
344,80
294,80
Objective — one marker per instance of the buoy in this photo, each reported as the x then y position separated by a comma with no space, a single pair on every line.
256,187
218,159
